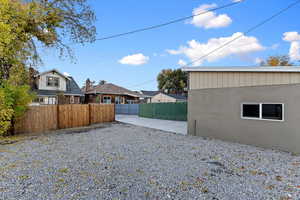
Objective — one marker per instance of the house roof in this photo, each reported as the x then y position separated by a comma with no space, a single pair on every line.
175,96
56,71
244,69
109,88
149,93
72,89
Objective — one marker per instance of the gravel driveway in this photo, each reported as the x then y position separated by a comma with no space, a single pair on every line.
130,162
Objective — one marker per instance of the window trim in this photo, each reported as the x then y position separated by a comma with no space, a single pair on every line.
109,99
53,77
260,111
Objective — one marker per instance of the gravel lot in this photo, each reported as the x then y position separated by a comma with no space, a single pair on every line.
130,162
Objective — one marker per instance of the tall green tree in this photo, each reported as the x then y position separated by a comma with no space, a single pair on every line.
172,81
25,25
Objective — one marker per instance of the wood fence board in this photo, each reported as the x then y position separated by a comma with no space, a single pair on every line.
40,119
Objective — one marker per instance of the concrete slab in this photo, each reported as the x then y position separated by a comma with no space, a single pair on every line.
165,125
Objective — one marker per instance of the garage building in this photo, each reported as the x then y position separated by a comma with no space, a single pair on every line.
251,105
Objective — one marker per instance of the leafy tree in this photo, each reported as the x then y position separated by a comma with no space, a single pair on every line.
24,25
14,98
277,61
172,81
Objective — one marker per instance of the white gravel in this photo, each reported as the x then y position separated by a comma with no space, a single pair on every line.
130,162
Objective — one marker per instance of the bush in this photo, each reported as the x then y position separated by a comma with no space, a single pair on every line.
6,114
14,101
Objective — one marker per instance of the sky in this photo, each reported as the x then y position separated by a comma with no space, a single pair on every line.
134,61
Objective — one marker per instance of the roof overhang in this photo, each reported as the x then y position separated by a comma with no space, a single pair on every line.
243,69
53,70
111,93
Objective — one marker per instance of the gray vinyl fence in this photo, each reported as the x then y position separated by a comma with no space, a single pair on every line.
127,109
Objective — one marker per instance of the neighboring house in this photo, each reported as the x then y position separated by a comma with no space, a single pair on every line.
168,98
251,105
108,93
147,95
53,87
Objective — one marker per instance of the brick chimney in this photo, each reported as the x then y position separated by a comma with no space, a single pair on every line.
88,85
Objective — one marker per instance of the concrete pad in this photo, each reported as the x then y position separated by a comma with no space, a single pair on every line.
179,127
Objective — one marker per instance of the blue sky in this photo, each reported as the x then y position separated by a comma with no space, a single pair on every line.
101,60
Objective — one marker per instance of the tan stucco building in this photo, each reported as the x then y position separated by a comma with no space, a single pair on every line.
251,105
168,98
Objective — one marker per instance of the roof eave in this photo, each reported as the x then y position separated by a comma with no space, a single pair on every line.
243,69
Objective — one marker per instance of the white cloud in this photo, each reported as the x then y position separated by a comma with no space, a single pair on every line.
294,39
209,19
291,36
295,51
195,50
182,63
237,1
258,60
135,59
274,46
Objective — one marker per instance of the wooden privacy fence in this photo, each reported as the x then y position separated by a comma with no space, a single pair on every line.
47,118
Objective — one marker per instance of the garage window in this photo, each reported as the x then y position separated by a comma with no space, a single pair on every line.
251,110
272,111
263,111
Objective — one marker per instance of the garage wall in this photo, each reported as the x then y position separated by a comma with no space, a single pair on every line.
160,98
216,113
202,80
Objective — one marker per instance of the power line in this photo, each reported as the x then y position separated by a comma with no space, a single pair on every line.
248,31
166,23
144,83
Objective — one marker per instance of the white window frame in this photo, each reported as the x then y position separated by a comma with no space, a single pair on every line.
118,100
107,97
72,99
52,83
260,111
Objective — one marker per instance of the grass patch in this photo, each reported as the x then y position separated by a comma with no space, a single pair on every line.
63,170
4,140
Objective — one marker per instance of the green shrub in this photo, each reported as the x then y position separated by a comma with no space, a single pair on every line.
14,101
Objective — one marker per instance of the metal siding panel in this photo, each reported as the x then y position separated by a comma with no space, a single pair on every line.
230,79
269,78
219,80
293,78
194,84
248,78
285,78
242,79
236,79
214,80
205,80
225,79
201,80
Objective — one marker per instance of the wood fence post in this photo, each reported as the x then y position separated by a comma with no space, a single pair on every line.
57,116
114,112
90,115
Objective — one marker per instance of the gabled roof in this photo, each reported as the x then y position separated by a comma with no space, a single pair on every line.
244,69
54,70
175,96
109,88
72,87
149,93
